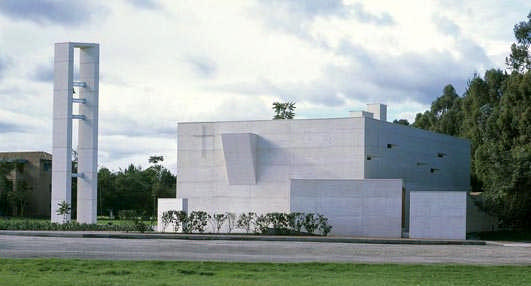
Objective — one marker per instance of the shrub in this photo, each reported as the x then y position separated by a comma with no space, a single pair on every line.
262,224
184,221
323,227
169,217
246,221
69,226
198,221
217,221
311,222
296,221
63,208
141,226
279,221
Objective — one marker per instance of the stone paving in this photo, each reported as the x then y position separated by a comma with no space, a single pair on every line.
259,251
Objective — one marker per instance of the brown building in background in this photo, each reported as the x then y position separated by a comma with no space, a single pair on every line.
33,173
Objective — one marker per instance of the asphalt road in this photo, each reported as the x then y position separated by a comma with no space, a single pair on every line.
258,251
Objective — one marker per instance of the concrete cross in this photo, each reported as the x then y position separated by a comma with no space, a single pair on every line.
203,135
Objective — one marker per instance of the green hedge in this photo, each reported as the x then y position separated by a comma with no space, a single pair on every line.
71,226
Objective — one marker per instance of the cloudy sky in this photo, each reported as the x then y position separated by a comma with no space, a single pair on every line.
168,61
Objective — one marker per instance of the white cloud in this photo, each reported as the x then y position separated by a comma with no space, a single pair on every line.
168,61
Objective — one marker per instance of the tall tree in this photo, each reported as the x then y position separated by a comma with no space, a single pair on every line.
520,59
134,188
495,115
284,110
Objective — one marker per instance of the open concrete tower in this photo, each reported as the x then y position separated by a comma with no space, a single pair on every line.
63,101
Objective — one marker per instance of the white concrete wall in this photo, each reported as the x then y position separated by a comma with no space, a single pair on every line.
164,205
353,207
436,214
285,149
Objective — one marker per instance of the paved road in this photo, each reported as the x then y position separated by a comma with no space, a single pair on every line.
258,251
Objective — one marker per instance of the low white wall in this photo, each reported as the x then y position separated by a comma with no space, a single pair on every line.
437,215
370,208
165,205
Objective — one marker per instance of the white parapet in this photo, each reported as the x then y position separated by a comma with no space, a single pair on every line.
165,205
437,215
370,207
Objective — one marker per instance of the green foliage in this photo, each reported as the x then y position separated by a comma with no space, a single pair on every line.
261,224
134,188
246,221
296,221
127,214
292,223
495,115
169,217
198,221
136,218
28,224
284,110
311,222
279,222
155,159
14,194
81,272
401,122
520,58
323,227
63,208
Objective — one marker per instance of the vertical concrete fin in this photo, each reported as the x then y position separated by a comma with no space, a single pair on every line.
88,134
62,129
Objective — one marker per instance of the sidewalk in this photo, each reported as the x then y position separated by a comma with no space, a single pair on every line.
238,237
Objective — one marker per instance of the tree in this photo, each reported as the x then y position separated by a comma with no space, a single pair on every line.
155,159
520,59
444,115
134,188
495,115
14,190
401,122
284,110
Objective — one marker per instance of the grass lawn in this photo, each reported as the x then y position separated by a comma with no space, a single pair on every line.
93,272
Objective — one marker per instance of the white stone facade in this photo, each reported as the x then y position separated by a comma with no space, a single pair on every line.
266,166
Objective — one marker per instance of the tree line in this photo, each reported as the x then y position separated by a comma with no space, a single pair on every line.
134,188
494,113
